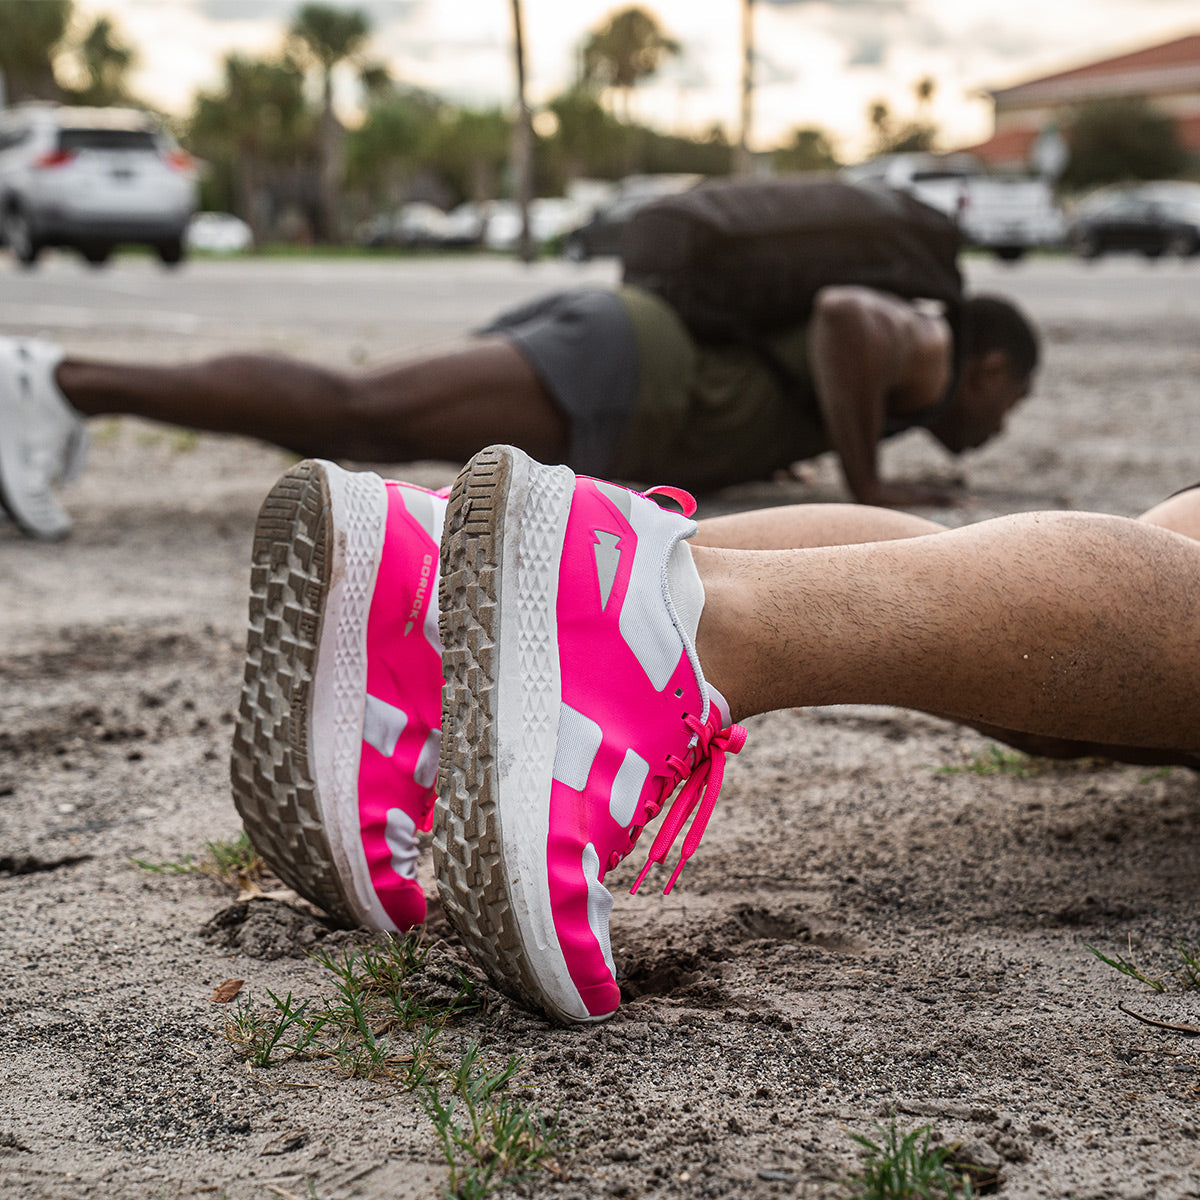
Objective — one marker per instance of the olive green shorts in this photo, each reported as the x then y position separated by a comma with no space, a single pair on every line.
646,403
708,416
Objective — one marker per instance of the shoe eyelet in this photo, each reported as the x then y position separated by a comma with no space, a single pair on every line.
679,693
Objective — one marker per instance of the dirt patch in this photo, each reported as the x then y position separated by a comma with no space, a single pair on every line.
871,926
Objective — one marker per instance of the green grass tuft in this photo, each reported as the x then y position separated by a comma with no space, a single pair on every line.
379,1024
230,861
995,760
906,1166
1126,966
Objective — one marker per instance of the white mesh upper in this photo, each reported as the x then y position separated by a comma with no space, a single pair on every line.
401,837
599,905
579,738
622,804
383,723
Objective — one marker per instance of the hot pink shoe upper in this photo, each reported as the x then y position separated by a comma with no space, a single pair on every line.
402,722
634,722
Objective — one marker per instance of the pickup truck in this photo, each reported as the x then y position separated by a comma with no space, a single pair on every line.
1006,215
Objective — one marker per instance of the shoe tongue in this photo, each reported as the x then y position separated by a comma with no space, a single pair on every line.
722,706
685,589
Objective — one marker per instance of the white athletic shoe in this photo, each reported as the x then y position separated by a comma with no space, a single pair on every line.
43,440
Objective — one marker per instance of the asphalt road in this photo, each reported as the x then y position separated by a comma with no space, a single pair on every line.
419,301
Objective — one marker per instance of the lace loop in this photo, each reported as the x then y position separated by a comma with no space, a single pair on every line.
685,500
703,776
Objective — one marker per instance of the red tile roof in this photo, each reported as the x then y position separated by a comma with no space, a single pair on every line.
1005,148
1015,144
1174,61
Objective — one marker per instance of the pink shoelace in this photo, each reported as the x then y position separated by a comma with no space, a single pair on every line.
703,772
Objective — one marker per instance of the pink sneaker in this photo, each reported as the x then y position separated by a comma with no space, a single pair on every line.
574,706
336,749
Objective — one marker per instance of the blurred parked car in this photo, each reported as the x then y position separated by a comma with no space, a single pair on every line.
464,226
601,235
550,217
1007,215
218,233
494,224
91,178
415,225
1147,218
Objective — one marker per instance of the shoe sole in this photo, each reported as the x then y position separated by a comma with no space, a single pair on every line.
495,770
296,746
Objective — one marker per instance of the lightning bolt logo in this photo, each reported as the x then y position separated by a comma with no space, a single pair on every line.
608,559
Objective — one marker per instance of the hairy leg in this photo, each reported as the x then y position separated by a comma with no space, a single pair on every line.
1180,513
1066,625
800,526
446,406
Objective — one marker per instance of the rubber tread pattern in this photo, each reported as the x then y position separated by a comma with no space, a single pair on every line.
273,785
466,843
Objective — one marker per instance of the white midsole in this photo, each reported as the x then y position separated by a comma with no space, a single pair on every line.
358,503
528,703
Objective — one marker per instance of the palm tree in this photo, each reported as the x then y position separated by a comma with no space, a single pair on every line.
105,62
257,120
328,36
630,48
30,34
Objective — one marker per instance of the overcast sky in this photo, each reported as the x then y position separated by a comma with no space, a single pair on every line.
820,62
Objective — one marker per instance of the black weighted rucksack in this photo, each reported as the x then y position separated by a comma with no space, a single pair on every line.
741,259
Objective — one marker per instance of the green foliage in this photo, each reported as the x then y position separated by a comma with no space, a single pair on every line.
329,35
1188,974
588,140
919,133
471,147
996,760
379,1024
628,48
252,130
907,1167
1126,966
31,35
1190,955
106,62
229,861
37,38
487,1139
384,151
259,1037
809,150
1121,139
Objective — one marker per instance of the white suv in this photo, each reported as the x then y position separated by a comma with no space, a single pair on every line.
91,178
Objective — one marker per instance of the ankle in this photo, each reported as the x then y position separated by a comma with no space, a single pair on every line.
720,638
70,377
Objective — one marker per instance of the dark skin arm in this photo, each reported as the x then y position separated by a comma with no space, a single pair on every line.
873,356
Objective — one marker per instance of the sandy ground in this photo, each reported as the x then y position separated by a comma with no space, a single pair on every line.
869,927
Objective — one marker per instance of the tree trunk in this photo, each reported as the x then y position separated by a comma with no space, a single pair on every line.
522,142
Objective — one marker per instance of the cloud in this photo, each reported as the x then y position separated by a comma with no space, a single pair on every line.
1004,41
867,50
844,5
770,70
379,12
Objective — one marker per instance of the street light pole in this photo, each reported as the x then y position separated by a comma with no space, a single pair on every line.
744,160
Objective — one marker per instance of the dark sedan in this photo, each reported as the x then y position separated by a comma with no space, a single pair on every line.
1152,219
